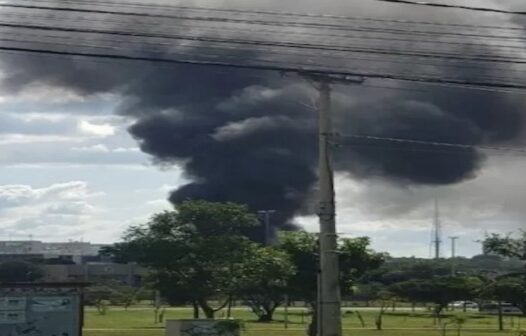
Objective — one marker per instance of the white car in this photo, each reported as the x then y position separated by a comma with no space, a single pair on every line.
465,304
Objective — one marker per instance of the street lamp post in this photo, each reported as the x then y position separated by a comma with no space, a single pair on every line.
265,216
453,255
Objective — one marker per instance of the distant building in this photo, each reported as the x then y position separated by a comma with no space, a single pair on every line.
34,250
72,262
21,247
124,274
72,248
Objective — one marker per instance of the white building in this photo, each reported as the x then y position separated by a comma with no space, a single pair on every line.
49,250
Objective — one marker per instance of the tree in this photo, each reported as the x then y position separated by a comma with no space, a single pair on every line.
124,296
506,246
509,289
458,321
355,259
513,287
369,292
197,252
98,296
380,293
264,280
440,291
402,269
17,271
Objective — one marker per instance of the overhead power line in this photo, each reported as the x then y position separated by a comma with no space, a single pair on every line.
436,144
341,73
137,34
223,51
108,60
308,46
323,49
308,34
274,13
231,19
17,36
442,5
367,34
361,86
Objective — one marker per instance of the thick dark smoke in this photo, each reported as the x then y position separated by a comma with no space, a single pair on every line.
239,138
249,137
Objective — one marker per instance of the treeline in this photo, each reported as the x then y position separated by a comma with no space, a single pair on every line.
199,254
498,275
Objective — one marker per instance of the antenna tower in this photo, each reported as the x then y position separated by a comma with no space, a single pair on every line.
437,231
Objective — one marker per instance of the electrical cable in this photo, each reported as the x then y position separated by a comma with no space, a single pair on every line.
433,4
158,52
389,53
332,54
521,150
269,43
342,75
208,47
259,22
275,13
332,36
169,65
282,50
323,47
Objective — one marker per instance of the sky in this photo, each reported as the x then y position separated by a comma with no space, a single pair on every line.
70,170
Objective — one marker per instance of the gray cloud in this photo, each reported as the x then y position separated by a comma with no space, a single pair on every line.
59,210
10,124
20,194
67,152
492,202
70,208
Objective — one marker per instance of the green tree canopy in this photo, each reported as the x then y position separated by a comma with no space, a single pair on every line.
264,280
507,246
509,289
355,258
440,290
197,252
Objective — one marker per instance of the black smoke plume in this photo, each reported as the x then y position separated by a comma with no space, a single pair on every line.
251,137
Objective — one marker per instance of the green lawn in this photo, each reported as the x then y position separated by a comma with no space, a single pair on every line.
139,322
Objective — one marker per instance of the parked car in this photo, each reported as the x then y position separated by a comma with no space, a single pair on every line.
465,304
493,308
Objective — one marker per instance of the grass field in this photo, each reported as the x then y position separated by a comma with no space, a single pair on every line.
139,322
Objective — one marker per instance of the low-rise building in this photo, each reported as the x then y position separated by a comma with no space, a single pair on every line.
123,274
34,250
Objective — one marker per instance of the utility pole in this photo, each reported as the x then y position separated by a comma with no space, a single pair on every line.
329,300
265,214
329,322
453,254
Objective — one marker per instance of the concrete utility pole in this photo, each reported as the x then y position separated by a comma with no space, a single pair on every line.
265,214
453,254
329,302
